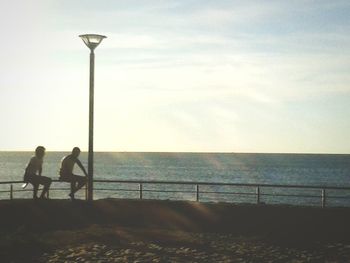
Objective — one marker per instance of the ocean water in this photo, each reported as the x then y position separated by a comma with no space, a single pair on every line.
293,169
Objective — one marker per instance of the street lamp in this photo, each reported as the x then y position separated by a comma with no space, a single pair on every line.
91,41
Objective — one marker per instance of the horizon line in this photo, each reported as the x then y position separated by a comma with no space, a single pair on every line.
198,152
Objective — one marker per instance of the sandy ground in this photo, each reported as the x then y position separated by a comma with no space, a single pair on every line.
166,231
164,246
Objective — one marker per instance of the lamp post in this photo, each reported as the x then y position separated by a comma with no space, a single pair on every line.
91,41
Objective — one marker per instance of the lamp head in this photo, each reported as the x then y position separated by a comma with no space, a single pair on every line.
92,40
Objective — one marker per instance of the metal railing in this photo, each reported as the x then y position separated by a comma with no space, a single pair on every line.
199,185
200,189
11,191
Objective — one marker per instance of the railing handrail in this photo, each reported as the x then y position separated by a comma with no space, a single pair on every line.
197,185
223,184
205,183
11,182
21,182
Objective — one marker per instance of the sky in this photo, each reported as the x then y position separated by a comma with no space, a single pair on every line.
189,75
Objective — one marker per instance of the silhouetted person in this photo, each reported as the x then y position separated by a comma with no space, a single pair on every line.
66,172
33,173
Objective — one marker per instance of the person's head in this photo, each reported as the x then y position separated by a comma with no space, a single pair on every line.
76,152
40,152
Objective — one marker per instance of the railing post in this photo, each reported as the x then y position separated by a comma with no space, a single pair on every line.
11,192
323,198
197,192
140,188
258,195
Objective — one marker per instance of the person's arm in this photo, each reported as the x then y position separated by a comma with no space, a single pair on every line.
40,168
28,166
81,167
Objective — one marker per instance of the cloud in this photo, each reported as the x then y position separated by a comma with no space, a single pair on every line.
207,73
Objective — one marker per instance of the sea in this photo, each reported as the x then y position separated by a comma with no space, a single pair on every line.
247,168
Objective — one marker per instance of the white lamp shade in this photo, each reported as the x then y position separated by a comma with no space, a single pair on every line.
92,40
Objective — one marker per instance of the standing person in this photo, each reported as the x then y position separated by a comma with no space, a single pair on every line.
66,172
33,174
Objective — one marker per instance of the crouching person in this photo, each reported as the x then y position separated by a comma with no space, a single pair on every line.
33,175
66,172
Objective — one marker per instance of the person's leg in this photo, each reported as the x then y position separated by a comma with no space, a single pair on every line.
46,182
79,182
33,180
35,190
72,188
69,179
